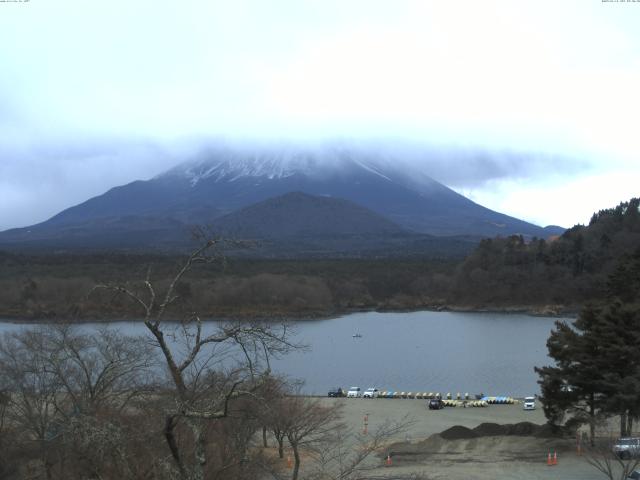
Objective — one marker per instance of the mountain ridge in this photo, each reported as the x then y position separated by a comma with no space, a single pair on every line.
224,180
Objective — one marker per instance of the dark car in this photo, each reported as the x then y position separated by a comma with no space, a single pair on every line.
336,392
435,404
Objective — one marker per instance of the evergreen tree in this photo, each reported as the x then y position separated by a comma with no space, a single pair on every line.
597,371
575,385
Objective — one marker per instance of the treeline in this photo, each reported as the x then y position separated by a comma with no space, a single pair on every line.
547,276
57,288
566,271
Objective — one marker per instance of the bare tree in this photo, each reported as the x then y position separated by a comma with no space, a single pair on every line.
278,424
4,402
104,376
104,370
207,368
306,423
601,456
68,390
351,455
32,390
331,451
269,412
5,442
311,424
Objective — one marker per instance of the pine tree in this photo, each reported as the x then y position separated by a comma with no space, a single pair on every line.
597,365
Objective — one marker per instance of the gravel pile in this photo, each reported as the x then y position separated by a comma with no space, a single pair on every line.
458,432
525,429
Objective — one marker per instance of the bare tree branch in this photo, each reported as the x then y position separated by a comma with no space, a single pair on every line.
201,393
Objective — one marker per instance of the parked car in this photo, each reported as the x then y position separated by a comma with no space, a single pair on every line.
566,388
336,392
371,393
354,392
435,404
635,475
627,447
529,403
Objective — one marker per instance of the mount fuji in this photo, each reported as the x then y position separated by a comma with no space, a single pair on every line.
365,193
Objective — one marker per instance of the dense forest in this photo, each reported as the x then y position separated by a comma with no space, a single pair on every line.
61,287
564,271
514,273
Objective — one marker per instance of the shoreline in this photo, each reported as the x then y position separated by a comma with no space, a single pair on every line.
559,311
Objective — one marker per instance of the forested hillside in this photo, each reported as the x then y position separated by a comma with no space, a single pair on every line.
568,270
509,273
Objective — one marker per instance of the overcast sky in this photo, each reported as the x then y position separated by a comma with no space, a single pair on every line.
531,108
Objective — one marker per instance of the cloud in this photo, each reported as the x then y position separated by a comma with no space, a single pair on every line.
476,167
496,94
40,181
510,77
540,75
563,201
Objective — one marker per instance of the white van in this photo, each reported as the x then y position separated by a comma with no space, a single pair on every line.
529,403
354,392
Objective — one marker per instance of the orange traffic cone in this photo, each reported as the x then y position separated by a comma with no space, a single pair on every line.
388,463
555,458
549,460
290,463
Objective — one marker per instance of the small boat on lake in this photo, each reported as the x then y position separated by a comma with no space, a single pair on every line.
356,335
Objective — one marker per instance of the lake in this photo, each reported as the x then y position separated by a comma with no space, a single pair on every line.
441,352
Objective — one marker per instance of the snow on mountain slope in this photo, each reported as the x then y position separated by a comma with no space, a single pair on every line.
222,164
224,179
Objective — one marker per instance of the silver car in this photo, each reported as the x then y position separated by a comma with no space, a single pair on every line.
371,393
627,447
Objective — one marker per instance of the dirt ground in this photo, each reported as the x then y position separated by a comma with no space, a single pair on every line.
419,449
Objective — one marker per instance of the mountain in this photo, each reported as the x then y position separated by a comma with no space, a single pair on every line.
298,214
223,180
298,225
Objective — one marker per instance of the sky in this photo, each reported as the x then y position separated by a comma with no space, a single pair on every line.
530,107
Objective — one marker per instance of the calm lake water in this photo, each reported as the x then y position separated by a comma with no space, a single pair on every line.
418,351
